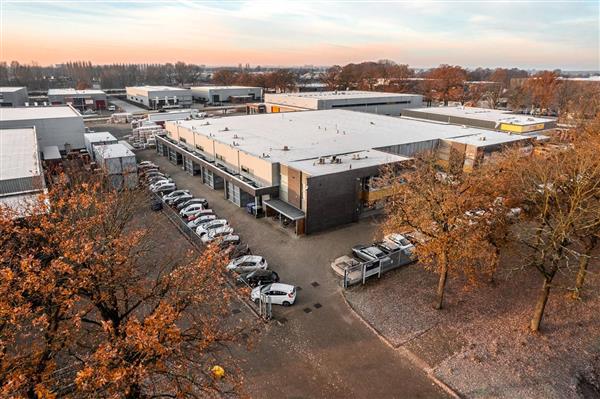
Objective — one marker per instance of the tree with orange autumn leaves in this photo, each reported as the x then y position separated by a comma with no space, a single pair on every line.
93,305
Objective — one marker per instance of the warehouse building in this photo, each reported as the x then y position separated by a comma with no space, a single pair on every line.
364,101
484,118
215,95
313,170
60,126
160,97
79,99
21,173
13,96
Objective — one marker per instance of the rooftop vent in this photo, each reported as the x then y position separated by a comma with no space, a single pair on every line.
321,161
481,138
226,129
286,148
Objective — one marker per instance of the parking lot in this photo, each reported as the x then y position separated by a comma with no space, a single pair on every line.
317,347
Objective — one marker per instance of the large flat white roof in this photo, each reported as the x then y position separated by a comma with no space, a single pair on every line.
486,114
296,136
31,113
490,137
223,87
19,155
348,94
73,92
156,88
99,137
7,89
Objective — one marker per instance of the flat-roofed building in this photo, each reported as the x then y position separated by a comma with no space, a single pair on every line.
214,95
80,99
21,173
363,101
61,126
13,96
484,118
97,138
160,97
313,169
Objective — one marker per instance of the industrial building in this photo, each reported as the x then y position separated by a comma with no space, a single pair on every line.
160,97
215,95
118,164
312,170
60,126
484,118
13,96
21,173
80,99
365,101
97,138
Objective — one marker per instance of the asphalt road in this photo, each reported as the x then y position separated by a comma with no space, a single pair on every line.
125,106
317,348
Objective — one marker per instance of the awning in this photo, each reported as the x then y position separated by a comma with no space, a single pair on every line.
285,209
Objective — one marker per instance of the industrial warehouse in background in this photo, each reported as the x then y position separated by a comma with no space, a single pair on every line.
60,126
21,173
159,97
315,170
13,96
363,101
216,95
485,118
80,99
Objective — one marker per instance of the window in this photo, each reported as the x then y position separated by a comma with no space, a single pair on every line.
199,147
220,157
182,139
246,169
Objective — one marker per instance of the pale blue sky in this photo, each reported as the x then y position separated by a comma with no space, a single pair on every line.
528,34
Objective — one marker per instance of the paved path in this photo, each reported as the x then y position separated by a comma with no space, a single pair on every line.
319,349
125,106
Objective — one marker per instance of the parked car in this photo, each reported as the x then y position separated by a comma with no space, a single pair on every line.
159,184
190,209
199,213
220,232
202,201
111,108
142,163
404,243
165,189
147,166
204,228
175,194
258,277
192,224
369,253
247,263
276,293
151,174
147,171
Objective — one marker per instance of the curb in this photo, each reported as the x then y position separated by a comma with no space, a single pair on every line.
411,356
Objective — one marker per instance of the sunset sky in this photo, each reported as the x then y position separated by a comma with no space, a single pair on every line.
523,34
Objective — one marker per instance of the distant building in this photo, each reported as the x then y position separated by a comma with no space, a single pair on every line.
80,99
21,174
363,101
485,118
160,97
226,94
13,96
60,126
312,170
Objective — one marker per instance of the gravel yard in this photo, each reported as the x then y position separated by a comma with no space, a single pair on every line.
479,344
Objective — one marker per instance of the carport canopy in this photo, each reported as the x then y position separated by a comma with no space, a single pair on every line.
285,209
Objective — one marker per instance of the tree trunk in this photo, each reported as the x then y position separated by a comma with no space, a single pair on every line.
540,305
442,282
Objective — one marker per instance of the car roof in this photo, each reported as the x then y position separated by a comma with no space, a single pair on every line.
220,230
282,287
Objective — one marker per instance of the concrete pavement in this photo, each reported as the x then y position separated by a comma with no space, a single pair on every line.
317,348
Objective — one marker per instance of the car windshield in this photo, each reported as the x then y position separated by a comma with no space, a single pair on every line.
265,288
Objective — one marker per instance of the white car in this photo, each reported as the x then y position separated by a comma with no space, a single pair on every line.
159,184
200,220
204,228
188,210
162,188
247,263
276,293
216,233
175,194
